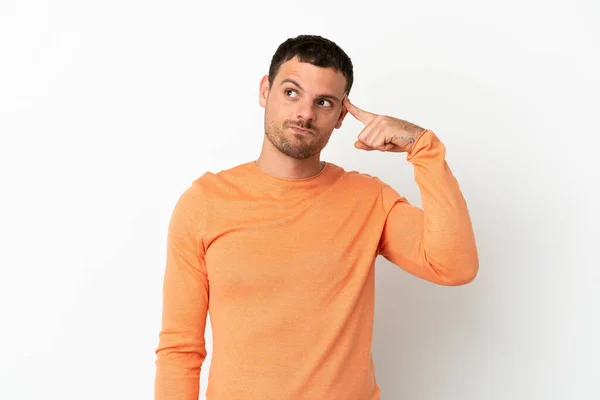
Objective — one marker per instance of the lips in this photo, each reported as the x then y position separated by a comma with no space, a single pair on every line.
301,131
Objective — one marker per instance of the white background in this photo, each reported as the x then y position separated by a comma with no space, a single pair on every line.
108,111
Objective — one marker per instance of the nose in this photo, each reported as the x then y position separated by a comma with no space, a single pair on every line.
306,111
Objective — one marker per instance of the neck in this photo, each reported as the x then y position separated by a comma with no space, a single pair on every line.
274,162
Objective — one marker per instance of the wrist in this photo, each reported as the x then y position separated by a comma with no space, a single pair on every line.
420,133
408,137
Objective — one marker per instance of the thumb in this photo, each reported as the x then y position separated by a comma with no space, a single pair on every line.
361,146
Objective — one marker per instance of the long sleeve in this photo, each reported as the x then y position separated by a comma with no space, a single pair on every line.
181,349
435,243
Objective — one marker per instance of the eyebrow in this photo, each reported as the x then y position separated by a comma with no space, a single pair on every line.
325,96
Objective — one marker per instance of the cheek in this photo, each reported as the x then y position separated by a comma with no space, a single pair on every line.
330,120
269,113
275,111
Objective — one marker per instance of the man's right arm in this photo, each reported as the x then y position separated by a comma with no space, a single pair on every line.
181,349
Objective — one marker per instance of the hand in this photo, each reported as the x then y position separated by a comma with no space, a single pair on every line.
381,132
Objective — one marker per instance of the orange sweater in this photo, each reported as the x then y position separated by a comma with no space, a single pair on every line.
285,270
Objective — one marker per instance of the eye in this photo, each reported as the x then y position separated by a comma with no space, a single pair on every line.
289,91
325,103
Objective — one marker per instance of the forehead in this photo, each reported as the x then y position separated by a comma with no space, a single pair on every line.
312,78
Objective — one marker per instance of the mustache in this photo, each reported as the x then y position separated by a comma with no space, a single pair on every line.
300,124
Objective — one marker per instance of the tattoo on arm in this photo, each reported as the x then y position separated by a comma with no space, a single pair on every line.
405,140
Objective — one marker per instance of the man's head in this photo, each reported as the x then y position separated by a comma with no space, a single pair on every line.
302,94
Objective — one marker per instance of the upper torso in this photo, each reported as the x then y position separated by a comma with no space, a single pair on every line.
290,270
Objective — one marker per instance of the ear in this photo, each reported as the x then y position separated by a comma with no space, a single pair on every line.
263,92
343,113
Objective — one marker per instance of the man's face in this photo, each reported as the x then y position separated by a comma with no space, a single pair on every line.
302,107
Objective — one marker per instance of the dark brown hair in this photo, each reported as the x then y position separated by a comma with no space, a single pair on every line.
315,50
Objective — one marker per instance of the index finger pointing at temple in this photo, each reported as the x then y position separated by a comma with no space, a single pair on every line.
363,116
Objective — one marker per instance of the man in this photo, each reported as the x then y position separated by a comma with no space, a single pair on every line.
281,251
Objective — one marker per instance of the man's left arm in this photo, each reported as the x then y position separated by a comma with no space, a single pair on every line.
437,242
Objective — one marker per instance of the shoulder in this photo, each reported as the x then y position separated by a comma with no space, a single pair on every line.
194,197
369,186
225,180
357,179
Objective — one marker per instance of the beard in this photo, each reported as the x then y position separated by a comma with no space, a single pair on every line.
294,145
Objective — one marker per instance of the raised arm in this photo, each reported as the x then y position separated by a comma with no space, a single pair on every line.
435,243
181,349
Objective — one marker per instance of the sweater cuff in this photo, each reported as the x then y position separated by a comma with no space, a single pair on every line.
424,140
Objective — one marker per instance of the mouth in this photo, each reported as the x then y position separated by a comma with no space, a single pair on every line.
301,131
